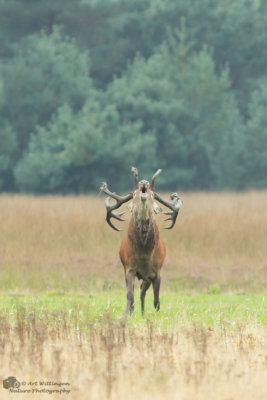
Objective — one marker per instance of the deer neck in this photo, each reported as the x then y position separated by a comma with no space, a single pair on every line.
142,227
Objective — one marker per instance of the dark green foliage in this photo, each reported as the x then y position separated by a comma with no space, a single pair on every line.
76,151
8,147
255,158
45,72
178,96
89,88
7,154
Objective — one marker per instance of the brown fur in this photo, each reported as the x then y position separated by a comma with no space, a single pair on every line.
142,250
145,259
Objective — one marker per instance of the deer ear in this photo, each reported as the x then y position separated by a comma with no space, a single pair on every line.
156,208
130,206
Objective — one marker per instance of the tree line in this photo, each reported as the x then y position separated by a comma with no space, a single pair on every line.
89,88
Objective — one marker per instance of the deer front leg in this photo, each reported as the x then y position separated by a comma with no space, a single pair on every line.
129,277
145,285
156,287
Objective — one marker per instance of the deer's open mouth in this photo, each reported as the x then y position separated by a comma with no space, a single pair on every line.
144,189
143,193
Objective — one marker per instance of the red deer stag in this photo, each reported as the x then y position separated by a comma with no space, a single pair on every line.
142,250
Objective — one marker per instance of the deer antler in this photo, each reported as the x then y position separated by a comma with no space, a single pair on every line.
110,208
135,172
154,177
175,206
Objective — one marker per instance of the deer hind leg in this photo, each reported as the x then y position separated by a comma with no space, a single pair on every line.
156,287
129,277
144,286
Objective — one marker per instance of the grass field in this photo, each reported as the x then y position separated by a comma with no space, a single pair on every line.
63,298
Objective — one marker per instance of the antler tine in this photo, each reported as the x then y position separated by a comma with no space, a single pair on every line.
135,172
154,177
110,208
111,214
175,206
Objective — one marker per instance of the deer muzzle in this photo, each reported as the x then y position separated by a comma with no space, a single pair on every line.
143,190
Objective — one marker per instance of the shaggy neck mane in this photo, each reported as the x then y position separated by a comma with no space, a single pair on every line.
143,224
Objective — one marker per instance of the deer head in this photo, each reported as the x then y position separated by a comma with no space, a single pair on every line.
143,205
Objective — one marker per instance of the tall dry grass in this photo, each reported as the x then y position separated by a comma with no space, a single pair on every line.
111,360
64,243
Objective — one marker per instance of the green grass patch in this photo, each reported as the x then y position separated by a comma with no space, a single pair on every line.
212,310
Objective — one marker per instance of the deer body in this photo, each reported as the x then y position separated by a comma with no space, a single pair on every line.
142,250
142,254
